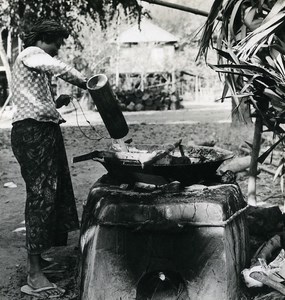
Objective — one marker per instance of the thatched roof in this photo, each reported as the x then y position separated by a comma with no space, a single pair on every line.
147,32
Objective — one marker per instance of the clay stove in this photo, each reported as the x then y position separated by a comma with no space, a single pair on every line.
174,242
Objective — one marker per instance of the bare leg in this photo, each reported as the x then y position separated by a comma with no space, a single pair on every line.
36,277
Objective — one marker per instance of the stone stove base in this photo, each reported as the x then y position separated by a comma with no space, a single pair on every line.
188,244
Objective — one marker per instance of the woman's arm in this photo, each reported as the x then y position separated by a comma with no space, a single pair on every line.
44,62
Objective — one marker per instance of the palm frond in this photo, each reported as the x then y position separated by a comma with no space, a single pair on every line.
263,157
250,44
209,28
278,6
233,18
247,46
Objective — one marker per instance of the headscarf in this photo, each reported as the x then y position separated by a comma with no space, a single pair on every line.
44,27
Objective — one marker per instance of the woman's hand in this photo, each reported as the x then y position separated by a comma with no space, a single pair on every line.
62,100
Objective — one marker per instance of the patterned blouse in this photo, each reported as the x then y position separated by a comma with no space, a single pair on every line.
31,91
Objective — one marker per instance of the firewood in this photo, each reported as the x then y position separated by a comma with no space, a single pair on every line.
167,100
145,97
264,168
131,106
267,169
157,102
139,107
138,93
138,101
237,164
266,250
261,277
149,101
161,154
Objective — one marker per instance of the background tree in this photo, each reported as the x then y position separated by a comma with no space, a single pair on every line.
17,15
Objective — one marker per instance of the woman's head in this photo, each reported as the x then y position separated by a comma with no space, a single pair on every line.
47,34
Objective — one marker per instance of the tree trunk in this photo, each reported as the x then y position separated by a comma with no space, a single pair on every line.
5,62
253,163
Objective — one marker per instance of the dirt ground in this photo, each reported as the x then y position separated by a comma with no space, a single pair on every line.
84,174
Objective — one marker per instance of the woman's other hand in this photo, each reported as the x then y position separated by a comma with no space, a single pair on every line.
62,100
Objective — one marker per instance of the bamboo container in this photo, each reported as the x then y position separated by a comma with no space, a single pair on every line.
107,105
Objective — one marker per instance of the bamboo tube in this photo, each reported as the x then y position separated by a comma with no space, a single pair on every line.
107,105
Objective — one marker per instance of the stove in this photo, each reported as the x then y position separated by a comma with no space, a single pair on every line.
165,242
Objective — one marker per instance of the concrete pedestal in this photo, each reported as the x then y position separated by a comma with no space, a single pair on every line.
191,244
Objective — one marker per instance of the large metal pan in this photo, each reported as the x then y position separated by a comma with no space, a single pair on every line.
189,165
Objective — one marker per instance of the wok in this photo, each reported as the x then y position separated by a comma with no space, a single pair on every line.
188,165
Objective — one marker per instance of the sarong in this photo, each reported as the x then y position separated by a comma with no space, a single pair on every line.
50,210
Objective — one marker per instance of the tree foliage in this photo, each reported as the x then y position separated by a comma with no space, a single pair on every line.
250,44
18,14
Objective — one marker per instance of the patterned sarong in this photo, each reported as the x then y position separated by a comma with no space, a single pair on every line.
50,210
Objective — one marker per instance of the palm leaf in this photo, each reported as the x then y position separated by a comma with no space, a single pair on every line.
250,48
230,82
262,157
225,54
246,67
209,28
250,13
263,31
278,61
278,6
233,17
248,45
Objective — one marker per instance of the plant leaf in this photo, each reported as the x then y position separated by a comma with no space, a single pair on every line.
262,157
278,6
278,171
209,28
233,18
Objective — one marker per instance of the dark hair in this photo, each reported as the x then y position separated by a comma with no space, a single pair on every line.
48,31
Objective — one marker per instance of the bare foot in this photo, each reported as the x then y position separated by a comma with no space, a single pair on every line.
38,281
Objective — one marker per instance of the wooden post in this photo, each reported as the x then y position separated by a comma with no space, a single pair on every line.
5,61
117,64
6,65
142,81
173,79
196,87
9,46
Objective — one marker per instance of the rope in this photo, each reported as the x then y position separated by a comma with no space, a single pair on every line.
92,127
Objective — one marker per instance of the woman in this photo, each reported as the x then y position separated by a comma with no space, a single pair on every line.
38,146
